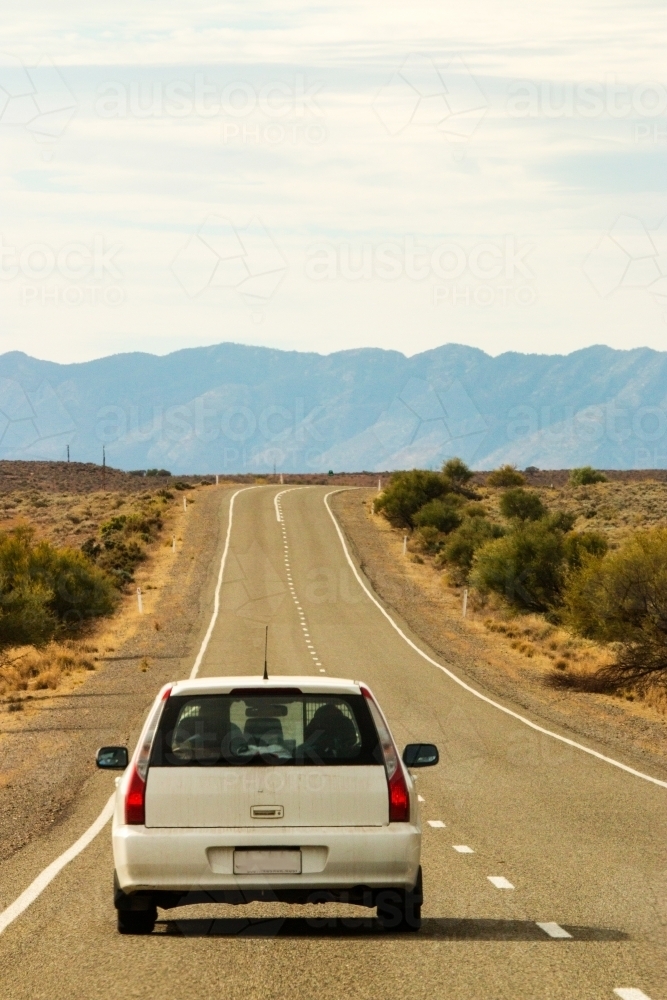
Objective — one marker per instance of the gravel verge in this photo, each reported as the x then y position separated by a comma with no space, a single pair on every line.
415,593
47,753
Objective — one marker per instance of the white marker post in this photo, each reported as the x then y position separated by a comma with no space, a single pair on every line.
281,479
140,603
405,544
173,543
185,503
217,479
379,486
465,602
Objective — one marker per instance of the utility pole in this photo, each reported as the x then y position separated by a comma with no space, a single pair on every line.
68,453
104,465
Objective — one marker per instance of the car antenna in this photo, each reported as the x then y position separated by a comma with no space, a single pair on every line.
266,643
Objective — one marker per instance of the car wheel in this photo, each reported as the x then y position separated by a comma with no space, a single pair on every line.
137,921
398,910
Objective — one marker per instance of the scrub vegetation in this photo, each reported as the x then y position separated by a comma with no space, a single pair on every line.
68,554
576,573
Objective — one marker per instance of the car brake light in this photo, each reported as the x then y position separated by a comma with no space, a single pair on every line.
399,797
135,800
135,797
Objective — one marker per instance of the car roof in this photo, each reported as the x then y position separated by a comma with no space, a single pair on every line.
308,685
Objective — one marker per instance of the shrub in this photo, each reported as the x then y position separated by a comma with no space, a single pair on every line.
521,505
580,546
406,493
429,539
586,476
463,543
443,515
44,590
622,598
121,550
506,475
457,472
526,567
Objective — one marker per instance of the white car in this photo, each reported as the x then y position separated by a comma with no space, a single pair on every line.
288,789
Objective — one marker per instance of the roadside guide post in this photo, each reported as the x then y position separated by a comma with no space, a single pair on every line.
173,543
405,544
465,602
185,503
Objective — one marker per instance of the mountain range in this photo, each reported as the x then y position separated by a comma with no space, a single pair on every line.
234,408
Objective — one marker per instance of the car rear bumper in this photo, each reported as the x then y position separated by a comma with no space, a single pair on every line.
334,858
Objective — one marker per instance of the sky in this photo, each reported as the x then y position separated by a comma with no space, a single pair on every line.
327,177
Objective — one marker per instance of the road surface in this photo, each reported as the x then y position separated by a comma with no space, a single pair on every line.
561,891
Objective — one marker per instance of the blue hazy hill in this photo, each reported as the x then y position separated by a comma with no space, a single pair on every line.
233,408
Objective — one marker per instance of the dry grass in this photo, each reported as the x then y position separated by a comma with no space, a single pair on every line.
41,494
26,669
615,509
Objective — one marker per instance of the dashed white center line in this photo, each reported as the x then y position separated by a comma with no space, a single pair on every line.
500,882
462,849
437,823
288,572
420,798
553,930
631,994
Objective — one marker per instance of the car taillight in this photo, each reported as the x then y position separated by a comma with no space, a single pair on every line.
135,800
135,797
399,797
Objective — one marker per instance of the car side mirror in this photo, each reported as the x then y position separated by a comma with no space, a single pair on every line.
420,755
112,758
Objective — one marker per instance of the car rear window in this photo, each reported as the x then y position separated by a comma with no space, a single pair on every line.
265,729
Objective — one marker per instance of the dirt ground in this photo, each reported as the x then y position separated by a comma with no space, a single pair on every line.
433,611
47,750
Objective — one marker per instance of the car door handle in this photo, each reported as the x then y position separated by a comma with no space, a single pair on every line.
267,812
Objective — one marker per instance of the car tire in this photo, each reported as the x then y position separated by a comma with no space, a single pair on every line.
137,921
400,910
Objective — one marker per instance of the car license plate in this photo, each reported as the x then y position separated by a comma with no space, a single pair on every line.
267,862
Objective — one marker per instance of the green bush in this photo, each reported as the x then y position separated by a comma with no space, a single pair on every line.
521,505
457,472
526,567
586,476
506,475
582,545
622,598
406,493
463,543
443,515
44,590
121,547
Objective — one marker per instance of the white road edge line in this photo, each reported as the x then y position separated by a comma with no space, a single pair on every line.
467,687
216,599
463,848
553,929
631,994
37,887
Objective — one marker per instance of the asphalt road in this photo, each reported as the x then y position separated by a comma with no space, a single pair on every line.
582,843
